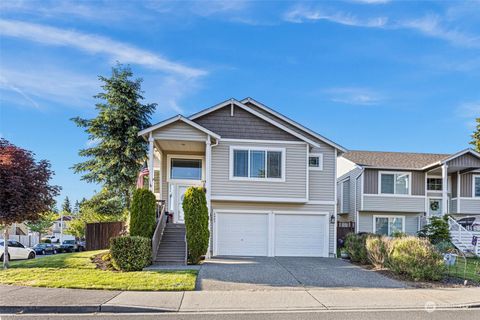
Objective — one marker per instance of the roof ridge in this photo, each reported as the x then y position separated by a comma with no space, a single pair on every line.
401,152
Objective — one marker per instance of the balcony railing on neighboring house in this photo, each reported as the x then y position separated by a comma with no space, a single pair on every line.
462,238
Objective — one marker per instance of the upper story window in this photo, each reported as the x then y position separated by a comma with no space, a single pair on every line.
434,184
257,163
315,161
476,186
186,168
395,183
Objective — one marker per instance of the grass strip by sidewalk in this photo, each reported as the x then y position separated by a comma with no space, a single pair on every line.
76,270
470,271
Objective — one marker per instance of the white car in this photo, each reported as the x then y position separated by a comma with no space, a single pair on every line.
16,250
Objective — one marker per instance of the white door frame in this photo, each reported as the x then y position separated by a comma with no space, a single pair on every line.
434,198
174,198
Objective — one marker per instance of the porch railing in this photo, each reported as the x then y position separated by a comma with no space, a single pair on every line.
161,222
463,238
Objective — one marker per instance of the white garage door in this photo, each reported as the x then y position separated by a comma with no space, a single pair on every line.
300,235
241,234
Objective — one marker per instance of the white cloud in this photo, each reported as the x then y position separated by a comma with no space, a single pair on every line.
95,44
469,111
354,96
49,84
431,25
302,14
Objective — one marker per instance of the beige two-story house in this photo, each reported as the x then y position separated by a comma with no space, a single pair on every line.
388,192
270,182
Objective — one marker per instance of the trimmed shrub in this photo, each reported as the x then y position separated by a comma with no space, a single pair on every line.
196,223
377,248
142,214
416,258
130,253
436,231
355,247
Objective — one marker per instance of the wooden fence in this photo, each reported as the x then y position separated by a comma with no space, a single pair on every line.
344,228
98,235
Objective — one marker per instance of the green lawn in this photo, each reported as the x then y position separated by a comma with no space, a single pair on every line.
75,270
472,271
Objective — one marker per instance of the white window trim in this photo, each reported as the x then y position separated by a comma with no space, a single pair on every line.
426,184
250,148
320,161
387,216
475,176
394,185
183,156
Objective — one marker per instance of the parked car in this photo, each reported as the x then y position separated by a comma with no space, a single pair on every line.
45,248
71,246
470,223
16,250
56,238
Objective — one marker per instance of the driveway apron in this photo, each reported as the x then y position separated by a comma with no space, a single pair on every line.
293,273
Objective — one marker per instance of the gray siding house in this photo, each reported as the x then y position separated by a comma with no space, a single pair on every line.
384,192
270,182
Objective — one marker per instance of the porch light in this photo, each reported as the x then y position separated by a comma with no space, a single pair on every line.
332,219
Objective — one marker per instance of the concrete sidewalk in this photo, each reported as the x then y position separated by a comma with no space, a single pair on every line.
42,300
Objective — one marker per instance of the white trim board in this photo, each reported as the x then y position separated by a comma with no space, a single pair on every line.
394,185
256,148
374,226
184,156
259,199
178,118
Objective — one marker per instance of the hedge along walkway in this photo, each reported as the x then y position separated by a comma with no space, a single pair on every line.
77,271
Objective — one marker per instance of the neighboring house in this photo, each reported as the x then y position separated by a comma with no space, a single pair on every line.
270,182
57,225
384,192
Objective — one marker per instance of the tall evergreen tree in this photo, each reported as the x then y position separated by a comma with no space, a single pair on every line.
118,153
476,136
76,207
66,206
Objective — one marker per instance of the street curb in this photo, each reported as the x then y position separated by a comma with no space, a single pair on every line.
134,309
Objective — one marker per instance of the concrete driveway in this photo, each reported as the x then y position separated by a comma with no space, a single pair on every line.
297,273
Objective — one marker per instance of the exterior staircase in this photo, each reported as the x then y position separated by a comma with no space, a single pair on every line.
463,238
172,247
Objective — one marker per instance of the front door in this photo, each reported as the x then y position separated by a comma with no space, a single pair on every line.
435,207
180,196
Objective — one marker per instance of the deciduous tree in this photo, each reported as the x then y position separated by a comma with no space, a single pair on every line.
25,192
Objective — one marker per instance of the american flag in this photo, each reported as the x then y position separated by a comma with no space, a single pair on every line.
144,172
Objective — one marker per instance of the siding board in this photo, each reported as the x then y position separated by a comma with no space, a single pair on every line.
395,204
243,125
179,131
365,223
294,186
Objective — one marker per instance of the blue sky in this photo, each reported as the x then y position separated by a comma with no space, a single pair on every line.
367,74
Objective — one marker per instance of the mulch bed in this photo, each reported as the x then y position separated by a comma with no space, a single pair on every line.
447,282
102,264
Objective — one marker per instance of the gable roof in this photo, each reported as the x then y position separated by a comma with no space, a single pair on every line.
178,118
256,113
301,132
294,123
397,160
